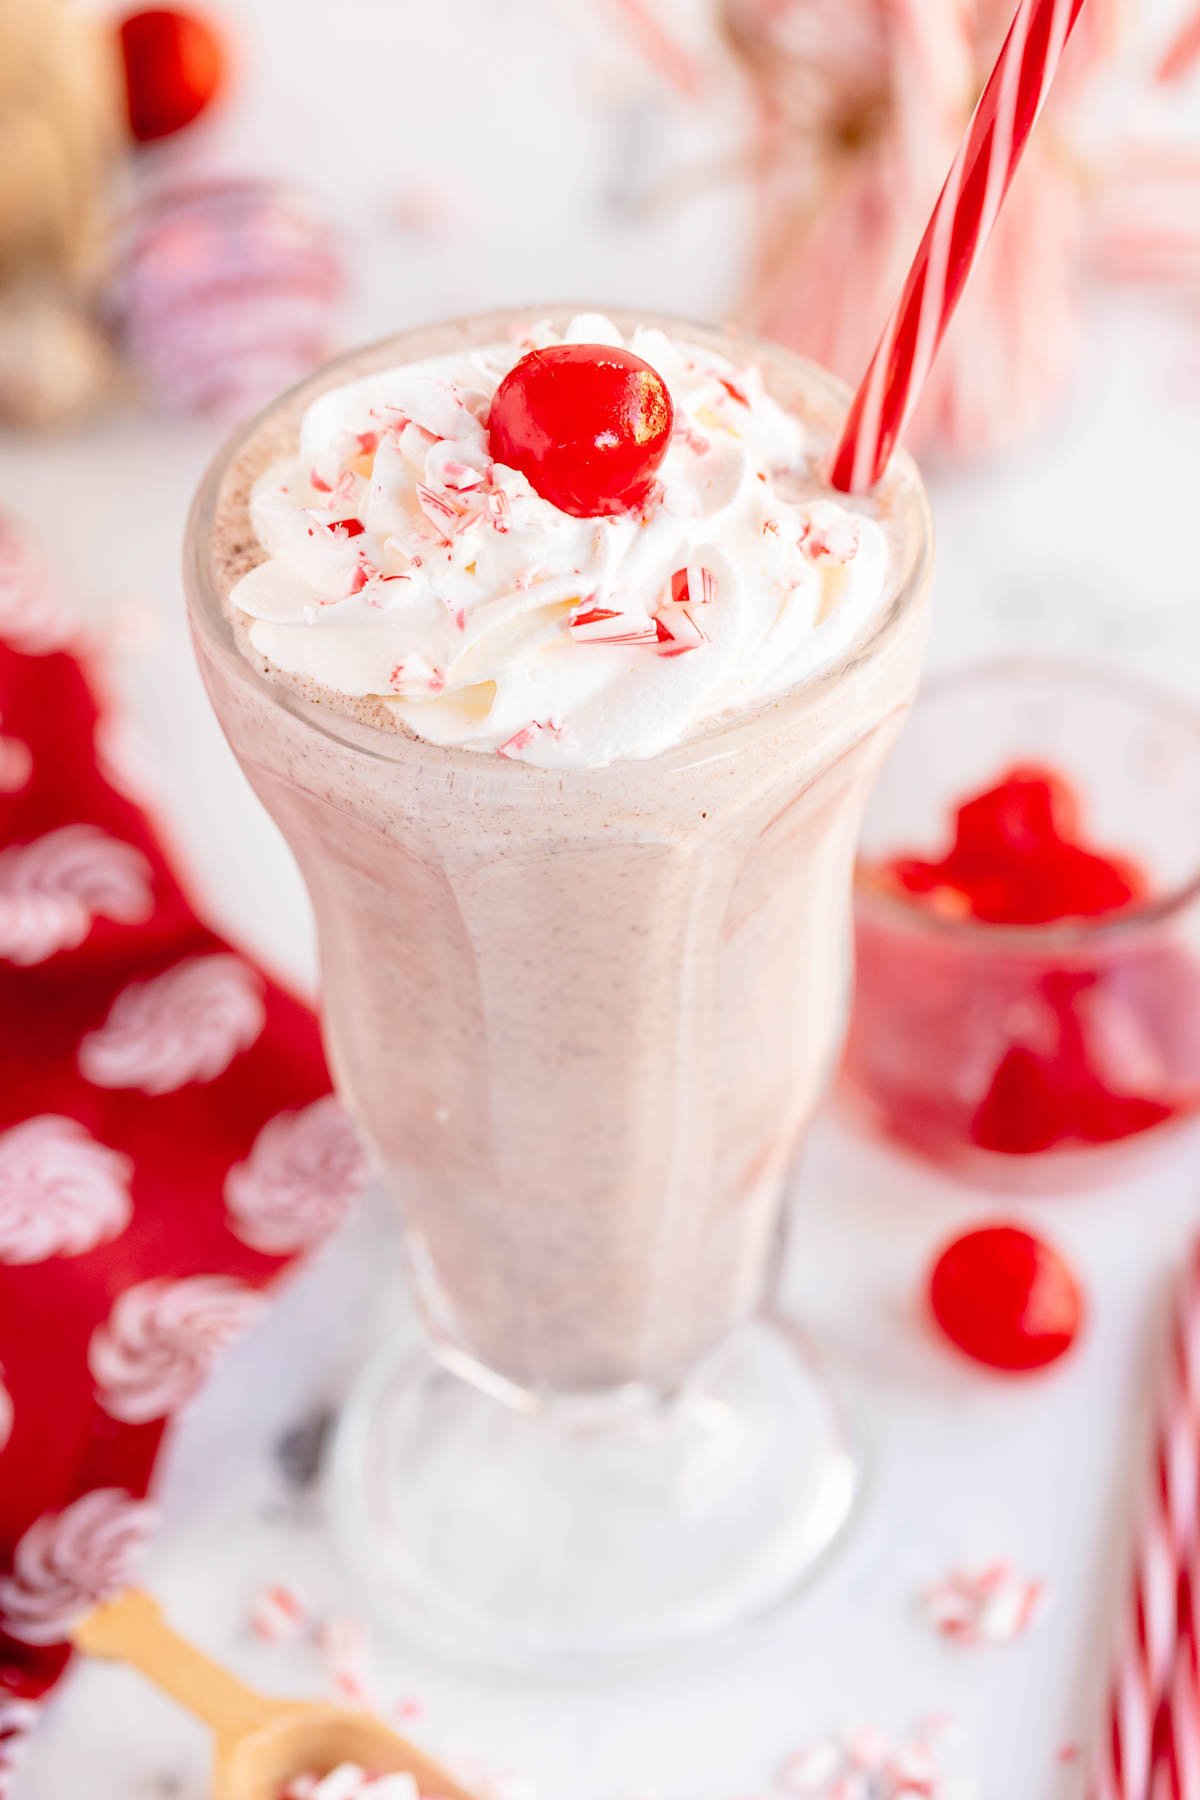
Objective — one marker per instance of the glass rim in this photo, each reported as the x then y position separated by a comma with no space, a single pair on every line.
208,614
1059,935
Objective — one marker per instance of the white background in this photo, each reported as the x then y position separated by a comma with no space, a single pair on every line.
531,138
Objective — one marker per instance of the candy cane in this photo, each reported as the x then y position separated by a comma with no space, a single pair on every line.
1151,1719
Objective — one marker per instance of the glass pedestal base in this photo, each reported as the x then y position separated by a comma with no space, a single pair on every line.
578,1535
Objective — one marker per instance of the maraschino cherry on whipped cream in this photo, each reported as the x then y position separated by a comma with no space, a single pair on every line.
406,562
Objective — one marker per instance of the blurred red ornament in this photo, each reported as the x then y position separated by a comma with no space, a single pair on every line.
175,66
227,292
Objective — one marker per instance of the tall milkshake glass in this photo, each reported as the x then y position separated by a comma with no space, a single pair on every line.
583,1017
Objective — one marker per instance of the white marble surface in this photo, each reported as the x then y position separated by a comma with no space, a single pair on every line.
1087,543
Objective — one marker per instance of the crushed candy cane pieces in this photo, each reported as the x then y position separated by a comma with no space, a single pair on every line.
349,1782
606,625
527,735
278,1615
694,585
461,476
677,631
811,1770
345,1647
869,1764
830,535
692,436
415,675
364,573
987,1603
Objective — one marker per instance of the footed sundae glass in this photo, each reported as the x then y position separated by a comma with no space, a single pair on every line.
583,1017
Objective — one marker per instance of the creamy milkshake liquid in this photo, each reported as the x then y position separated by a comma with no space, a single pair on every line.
582,900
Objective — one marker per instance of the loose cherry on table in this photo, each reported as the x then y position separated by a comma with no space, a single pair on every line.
587,424
1006,1298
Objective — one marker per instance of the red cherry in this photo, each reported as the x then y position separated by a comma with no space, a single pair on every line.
174,68
1027,810
1017,859
924,882
1066,1092
1085,884
1104,1118
1006,1298
1028,1107
912,875
586,424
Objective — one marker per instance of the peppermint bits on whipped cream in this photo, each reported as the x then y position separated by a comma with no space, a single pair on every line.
630,540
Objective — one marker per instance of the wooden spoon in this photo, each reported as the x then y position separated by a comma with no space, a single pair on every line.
259,1744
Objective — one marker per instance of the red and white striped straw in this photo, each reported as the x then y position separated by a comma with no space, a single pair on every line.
954,238
1150,1745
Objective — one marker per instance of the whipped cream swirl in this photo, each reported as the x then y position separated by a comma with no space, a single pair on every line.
406,567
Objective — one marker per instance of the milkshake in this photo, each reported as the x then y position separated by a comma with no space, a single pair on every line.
575,785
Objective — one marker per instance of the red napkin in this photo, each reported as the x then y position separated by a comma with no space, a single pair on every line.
168,1142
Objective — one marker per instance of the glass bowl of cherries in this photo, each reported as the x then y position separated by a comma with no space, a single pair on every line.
1027,1011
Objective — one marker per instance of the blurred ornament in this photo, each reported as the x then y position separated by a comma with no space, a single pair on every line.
860,108
175,66
227,292
61,137
1182,54
677,64
1145,227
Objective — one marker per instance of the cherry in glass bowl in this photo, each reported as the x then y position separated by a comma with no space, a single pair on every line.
1027,923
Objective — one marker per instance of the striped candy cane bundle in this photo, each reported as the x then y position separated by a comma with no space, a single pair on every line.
1149,1748
954,238
1176,1747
